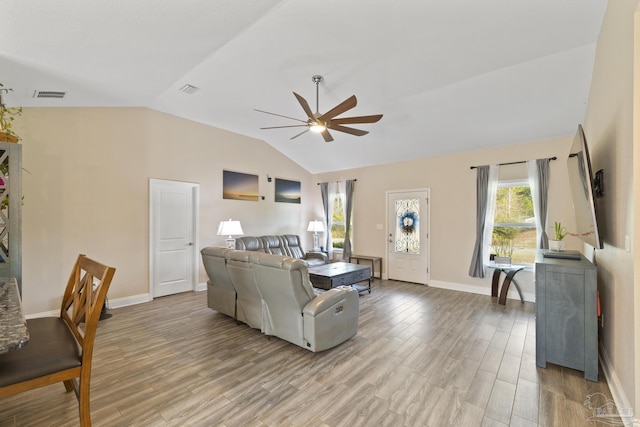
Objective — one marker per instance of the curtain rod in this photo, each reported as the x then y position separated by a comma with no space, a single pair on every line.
515,163
318,183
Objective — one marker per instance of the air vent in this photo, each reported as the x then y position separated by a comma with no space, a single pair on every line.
190,89
49,94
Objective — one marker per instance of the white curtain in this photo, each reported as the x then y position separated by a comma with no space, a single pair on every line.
330,190
348,211
492,190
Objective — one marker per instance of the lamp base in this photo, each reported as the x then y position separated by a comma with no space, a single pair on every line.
316,242
231,243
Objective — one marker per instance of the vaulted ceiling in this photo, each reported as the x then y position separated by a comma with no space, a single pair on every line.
448,75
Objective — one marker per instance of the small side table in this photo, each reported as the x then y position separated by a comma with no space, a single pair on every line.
373,260
510,271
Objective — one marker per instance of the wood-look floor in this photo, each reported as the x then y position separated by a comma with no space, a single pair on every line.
422,357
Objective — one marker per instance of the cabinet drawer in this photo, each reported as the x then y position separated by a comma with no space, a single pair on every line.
361,275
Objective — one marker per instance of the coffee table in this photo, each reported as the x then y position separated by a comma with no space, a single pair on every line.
335,274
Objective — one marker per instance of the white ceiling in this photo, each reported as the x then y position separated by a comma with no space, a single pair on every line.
448,75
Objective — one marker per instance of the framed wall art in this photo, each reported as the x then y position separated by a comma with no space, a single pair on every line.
239,186
287,191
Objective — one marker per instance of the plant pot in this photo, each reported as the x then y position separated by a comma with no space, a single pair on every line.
556,245
502,260
8,138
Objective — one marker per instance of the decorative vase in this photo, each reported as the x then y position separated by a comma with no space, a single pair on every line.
502,260
556,245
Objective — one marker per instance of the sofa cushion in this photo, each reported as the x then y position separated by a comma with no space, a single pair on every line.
273,245
294,250
292,245
249,243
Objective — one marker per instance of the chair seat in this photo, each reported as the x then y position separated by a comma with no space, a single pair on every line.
51,348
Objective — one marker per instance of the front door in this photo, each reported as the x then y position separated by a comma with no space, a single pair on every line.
408,235
173,236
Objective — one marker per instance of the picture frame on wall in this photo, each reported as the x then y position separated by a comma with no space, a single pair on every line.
287,191
239,186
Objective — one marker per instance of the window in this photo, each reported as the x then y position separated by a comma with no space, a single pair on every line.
514,228
338,224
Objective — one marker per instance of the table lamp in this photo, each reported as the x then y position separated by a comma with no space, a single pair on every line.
316,226
230,228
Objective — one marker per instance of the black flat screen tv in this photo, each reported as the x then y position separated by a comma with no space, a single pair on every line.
581,181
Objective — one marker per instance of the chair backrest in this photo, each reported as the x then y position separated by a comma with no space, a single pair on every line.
292,246
284,286
60,349
82,302
221,295
273,245
248,303
249,243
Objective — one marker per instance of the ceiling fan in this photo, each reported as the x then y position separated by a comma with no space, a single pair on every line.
321,123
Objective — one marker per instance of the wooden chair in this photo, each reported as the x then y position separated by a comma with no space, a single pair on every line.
60,348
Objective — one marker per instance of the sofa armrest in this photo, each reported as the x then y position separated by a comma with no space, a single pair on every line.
317,255
327,300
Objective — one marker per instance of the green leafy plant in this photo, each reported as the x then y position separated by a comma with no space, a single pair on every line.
8,115
560,231
503,240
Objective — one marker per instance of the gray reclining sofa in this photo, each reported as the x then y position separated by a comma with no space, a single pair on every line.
287,244
273,293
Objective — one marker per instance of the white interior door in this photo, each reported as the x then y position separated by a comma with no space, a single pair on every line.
173,235
408,235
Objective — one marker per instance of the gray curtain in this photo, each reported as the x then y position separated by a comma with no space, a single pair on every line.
476,269
348,208
539,183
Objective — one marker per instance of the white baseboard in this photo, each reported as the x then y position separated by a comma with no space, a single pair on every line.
132,300
112,303
615,387
481,290
115,303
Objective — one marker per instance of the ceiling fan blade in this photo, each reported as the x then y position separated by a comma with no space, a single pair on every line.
360,119
280,127
346,129
326,135
305,105
304,131
345,105
280,115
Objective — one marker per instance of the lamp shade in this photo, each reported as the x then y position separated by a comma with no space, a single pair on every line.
230,228
315,226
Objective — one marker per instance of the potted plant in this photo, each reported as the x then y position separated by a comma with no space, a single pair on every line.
7,116
503,244
557,244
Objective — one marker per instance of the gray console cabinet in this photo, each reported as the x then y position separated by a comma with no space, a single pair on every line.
566,314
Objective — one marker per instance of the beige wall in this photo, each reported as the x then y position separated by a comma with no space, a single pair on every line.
86,190
609,128
453,205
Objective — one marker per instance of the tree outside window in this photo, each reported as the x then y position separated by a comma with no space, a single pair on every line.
338,224
514,230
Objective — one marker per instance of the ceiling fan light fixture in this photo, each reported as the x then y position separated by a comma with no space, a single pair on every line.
317,127
322,123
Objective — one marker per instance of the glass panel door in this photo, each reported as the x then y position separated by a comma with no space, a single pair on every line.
407,234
